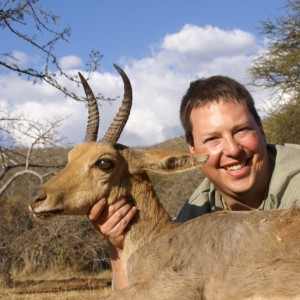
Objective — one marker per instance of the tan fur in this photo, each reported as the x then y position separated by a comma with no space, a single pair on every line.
225,255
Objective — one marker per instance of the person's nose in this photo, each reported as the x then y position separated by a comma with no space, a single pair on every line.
231,147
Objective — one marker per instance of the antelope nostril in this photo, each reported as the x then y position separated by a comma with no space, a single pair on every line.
38,195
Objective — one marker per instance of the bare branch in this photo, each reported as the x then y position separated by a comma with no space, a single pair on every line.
15,176
16,16
17,159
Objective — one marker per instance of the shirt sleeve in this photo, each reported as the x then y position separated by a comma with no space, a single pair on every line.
190,211
291,195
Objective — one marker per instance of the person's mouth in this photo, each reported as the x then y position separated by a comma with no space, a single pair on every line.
238,167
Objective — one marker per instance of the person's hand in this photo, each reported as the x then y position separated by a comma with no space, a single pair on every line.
112,220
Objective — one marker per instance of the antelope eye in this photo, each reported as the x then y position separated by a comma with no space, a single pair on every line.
105,164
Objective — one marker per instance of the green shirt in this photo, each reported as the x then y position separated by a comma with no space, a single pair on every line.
283,189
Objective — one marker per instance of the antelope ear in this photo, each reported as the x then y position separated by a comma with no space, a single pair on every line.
162,161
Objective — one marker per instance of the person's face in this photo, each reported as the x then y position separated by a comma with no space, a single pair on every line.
236,145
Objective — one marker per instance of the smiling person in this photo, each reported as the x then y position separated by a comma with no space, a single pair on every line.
243,172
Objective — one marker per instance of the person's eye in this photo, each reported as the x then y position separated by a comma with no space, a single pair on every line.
211,141
243,131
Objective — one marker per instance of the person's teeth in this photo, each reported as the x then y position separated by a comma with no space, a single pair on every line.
235,167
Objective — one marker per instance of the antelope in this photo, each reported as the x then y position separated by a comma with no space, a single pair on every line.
222,255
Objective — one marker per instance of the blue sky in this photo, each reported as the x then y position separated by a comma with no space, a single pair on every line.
131,28
162,45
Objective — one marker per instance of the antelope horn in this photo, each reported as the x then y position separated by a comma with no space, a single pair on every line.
93,113
115,129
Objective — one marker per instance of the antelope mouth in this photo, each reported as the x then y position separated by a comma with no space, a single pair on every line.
49,214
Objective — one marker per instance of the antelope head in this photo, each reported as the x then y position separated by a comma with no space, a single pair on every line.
103,168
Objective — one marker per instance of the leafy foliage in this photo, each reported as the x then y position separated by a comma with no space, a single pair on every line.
279,68
283,126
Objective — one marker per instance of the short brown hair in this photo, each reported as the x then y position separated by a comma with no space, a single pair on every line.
213,89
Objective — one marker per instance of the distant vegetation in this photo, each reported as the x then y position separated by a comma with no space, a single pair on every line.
278,68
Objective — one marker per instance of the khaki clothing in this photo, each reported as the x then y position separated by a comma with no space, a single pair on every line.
283,191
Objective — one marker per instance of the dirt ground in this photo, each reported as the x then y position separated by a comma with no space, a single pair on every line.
60,289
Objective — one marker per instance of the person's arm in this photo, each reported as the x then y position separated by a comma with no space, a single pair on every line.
111,221
119,276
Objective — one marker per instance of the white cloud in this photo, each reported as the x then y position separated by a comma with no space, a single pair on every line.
159,82
20,58
70,62
209,41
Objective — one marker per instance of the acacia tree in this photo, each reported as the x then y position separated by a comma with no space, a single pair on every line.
279,68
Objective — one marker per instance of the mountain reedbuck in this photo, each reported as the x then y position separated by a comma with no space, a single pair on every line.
222,255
